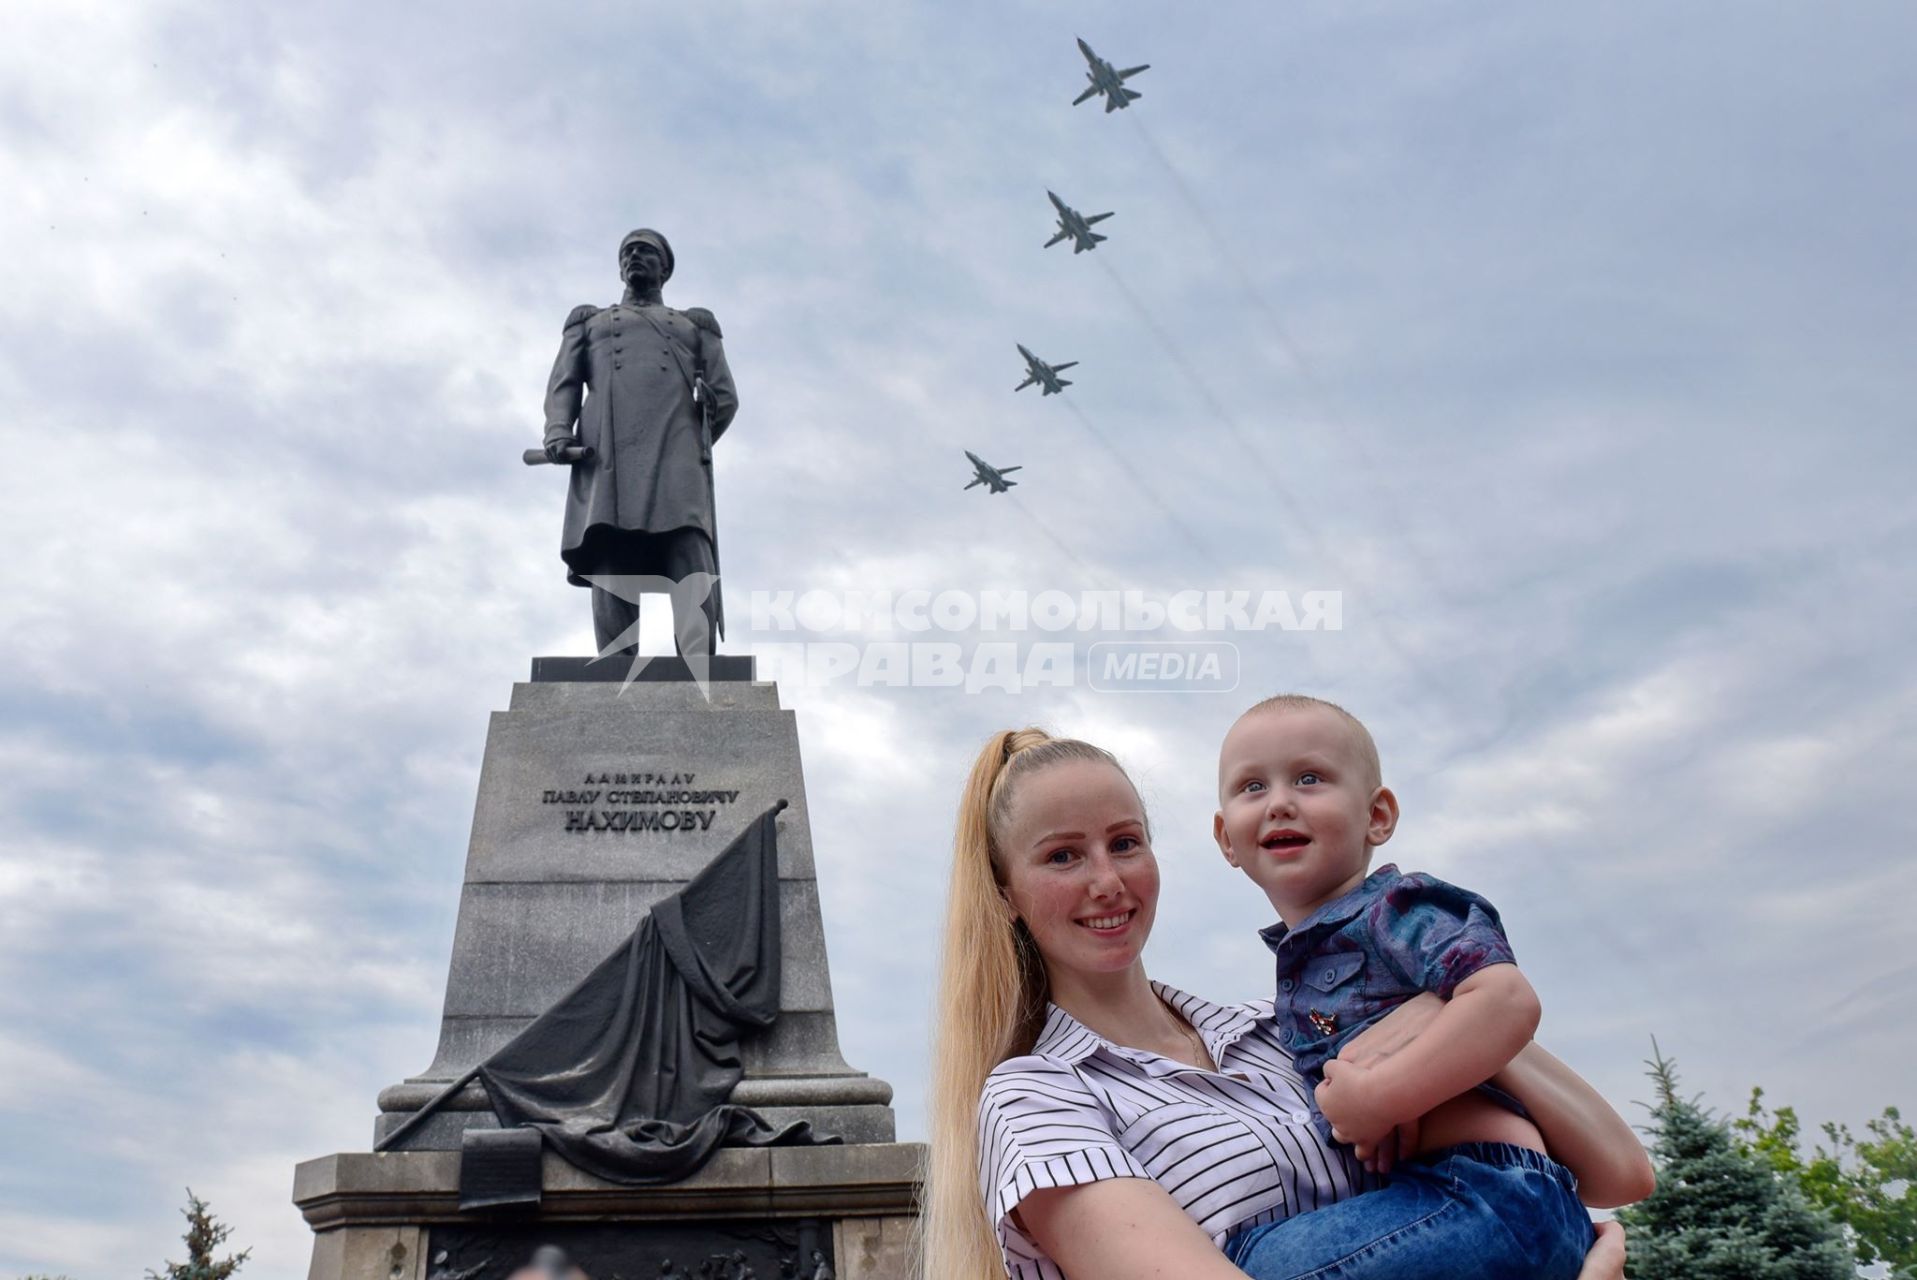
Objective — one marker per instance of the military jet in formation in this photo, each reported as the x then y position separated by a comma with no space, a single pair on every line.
1107,81
993,478
1045,376
1076,225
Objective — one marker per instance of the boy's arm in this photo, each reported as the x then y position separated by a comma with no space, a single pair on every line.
1583,1132
1490,1017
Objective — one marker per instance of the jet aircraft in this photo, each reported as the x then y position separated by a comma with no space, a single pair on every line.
1076,225
993,478
1044,375
1107,81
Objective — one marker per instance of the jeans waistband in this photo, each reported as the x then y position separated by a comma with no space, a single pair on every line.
1502,1155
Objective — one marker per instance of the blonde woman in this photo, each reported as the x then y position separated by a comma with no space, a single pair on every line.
1089,1122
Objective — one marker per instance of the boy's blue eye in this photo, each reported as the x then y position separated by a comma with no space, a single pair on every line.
1253,785
1308,776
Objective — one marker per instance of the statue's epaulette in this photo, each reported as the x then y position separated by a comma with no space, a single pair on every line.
580,314
704,319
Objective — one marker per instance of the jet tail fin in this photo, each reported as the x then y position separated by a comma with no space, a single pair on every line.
1132,95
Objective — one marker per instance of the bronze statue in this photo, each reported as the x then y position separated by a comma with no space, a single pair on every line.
656,395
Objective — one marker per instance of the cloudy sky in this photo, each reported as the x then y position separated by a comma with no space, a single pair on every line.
1572,344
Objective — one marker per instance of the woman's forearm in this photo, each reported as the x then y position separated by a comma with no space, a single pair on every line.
1582,1131
1122,1229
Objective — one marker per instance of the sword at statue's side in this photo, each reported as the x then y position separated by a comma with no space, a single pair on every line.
702,396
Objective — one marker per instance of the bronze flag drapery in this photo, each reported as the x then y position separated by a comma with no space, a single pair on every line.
627,1075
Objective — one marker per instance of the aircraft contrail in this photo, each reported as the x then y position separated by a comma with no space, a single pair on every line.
1307,371
1320,548
1058,542
1145,486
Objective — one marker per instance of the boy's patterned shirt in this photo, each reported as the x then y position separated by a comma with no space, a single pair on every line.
1360,956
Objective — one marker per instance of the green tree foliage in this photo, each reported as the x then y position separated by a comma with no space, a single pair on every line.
1719,1211
204,1233
1868,1184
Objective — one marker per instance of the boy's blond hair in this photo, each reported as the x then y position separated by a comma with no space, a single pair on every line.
1367,749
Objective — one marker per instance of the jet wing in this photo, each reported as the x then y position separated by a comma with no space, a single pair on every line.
1098,217
1129,73
1062,233
1088,93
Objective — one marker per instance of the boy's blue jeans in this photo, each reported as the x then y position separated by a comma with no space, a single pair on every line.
1476,1211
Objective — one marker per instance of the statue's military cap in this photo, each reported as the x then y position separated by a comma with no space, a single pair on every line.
647,233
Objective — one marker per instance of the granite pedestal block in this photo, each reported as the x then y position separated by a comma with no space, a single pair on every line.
597,800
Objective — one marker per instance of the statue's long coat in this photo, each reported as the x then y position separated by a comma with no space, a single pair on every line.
640,421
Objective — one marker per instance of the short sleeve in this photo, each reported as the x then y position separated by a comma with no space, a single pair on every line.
1039,1127
1439,934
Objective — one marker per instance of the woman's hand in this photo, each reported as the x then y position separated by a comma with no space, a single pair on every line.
1350,1098
1606,1259
1392,1032
1383,1155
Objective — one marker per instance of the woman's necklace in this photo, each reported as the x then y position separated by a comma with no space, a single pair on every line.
1196,1041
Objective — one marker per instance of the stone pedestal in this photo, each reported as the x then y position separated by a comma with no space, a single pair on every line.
596,800
389,1216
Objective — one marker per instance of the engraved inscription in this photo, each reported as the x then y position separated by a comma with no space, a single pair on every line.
638,801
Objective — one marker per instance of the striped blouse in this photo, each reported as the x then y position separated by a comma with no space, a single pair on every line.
1234,1147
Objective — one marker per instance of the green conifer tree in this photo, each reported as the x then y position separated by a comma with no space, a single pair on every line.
1719,1212
204,1233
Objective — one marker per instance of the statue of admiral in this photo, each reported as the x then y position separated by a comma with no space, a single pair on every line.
656,394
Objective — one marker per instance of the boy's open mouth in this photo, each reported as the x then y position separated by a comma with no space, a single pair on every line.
1282,841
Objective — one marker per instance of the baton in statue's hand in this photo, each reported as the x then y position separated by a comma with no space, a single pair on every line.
571,454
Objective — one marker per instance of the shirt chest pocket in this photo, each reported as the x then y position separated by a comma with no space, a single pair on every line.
1210,1161
1334,974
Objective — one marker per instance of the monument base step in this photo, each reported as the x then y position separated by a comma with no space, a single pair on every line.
389,1217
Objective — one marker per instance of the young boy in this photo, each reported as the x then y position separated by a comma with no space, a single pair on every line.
1301,804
